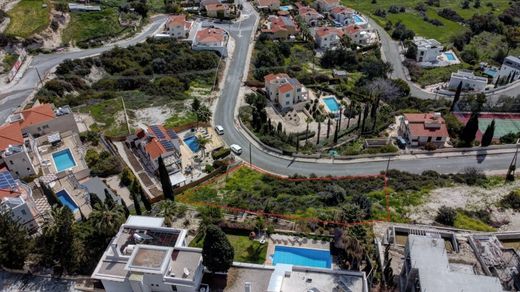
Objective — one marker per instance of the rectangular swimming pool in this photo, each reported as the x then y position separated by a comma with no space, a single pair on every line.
450,56
192,143
66,200
63,160
319,258
358,19
331,103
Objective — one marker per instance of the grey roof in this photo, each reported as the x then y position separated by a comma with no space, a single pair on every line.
96,186
428,255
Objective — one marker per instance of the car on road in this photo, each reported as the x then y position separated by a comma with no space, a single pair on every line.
219,129
401,143
236,149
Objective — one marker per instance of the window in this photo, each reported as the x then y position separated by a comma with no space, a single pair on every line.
287,102
287,95
174,288
298,90
24,213
439,138
10,161
46,126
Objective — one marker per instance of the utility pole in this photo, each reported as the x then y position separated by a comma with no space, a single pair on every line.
250,156
512,167
39,77
388,166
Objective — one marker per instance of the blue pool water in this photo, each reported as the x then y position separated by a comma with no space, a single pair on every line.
286,8
358,19
297,256
66,200
332,104
63,160
192,143
450,56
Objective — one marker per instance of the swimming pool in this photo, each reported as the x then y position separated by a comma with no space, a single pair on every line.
63,160
66,200
286,8
331,103
358,19
450,56
192,143
319,258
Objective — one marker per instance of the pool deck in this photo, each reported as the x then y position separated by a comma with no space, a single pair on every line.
292,241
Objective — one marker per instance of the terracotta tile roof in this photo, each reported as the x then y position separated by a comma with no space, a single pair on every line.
285,87
210,35
340,10
351,29
267,2
154,148
270,77
426,125
37,115
10,134
305,10
325,31
5,193
177,19
216,7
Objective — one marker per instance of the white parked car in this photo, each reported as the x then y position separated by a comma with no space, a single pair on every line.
236,149
219,129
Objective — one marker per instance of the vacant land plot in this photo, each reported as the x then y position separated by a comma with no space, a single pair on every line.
28,17
90,25
414,21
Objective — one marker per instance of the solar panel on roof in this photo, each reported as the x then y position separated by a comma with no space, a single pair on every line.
167,145
6,180
172,134
158,133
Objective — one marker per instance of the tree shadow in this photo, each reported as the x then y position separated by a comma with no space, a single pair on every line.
481,155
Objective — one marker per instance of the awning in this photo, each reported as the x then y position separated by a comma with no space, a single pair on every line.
177,178
54,137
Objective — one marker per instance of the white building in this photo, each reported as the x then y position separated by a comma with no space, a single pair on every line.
327,37
342,15
310,15
285,91
427,49
470,82
212,39
146,256
510,67
426,268
22,129
17,200
361,36
178,27
422,128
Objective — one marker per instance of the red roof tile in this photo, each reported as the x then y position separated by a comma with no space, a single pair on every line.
37,115
341,9
285,87
426,125
209,35
270,77
154,148
177,19
5,193
267,2
10,134
325,31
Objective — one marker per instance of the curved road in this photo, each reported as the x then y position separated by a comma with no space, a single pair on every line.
226,106
18,93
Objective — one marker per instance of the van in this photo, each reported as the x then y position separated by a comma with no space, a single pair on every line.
219,129
236,149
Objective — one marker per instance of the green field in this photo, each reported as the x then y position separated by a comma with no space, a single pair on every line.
415,22
28,17
88,25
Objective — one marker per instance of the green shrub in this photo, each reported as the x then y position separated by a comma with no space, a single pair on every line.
102,164
446,215
511,200
208,168
463,221
220,153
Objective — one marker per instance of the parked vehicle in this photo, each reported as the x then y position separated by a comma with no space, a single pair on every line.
219,129
236,149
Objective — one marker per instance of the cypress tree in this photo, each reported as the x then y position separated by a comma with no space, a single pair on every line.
470,130
125,208
50,195
217,252
328,128
165,180
109,201
135,198
456,97
94,200
487,138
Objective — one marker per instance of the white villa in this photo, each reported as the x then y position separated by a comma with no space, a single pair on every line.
427,49
285,91
178,27
470,82
309,15
510,67
212,39
24,133
327,37
342,15
422,128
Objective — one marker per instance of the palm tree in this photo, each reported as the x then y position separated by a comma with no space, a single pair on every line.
107,220
308,121
167,210
203,114
203,141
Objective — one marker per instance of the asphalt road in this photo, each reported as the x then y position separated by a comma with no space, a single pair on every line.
225,115
225,112
17,94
